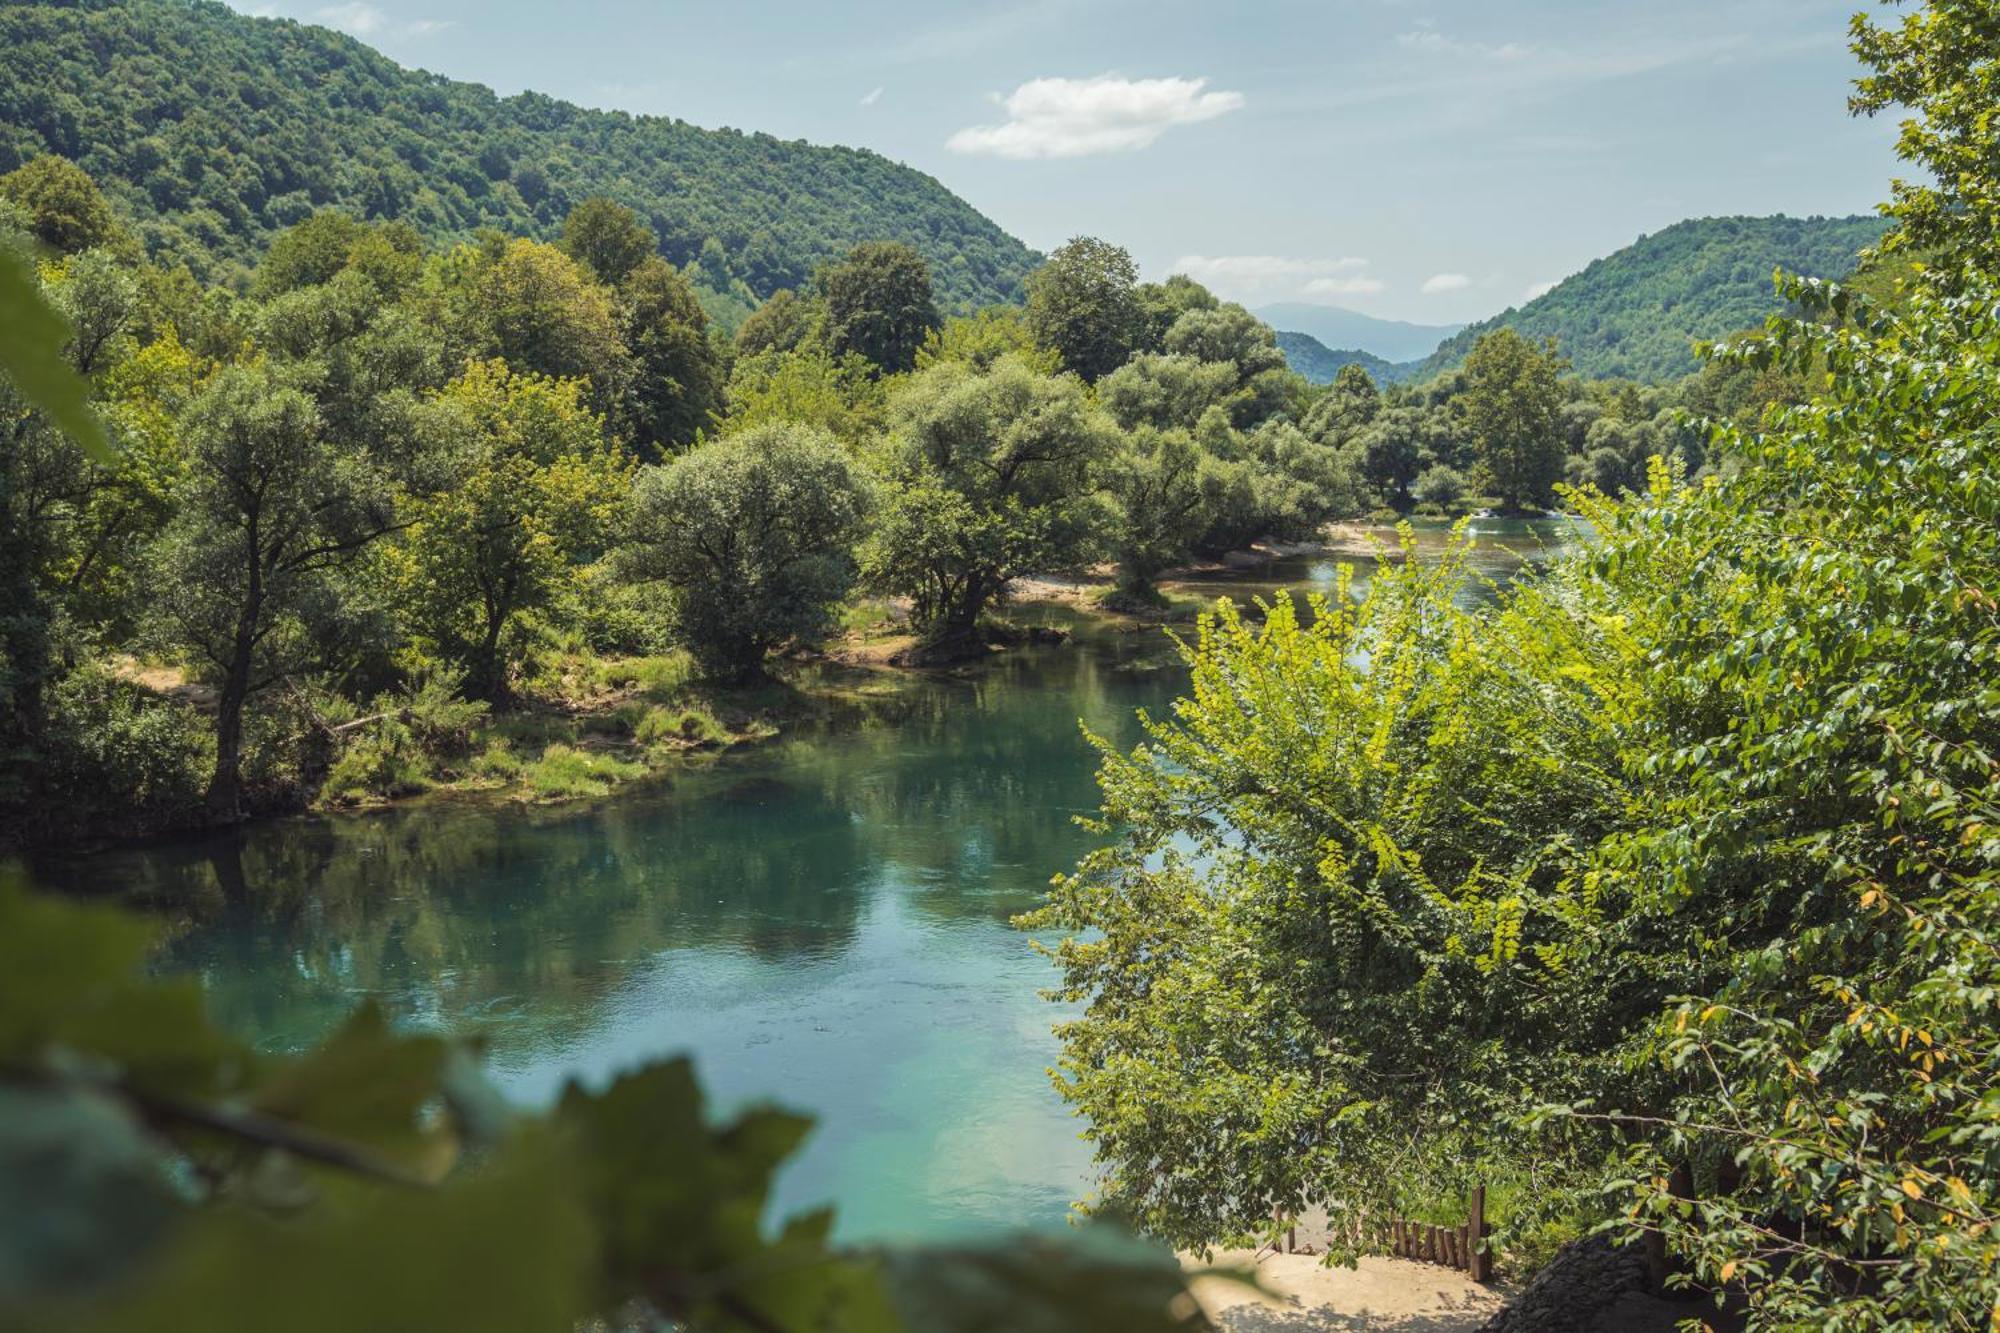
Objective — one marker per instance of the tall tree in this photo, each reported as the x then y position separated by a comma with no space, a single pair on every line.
676,383
879,304
270,511
1513,407
65,209
607,238
993,476
530,490
1084,304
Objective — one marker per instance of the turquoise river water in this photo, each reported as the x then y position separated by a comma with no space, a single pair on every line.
822,921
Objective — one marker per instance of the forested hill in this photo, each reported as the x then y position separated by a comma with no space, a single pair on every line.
1634,313
214,130
1319,363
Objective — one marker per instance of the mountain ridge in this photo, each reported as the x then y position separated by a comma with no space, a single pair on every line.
1336,326
214,129
1634,313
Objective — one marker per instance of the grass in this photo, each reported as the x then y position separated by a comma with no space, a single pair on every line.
658,678
565,772
690,724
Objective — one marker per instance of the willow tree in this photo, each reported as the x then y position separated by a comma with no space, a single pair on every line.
992,475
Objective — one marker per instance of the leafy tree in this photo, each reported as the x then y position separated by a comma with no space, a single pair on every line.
981,339
1937,61
1166,391
677,384
533,307
1163,495
1350,403
1512,406
269,511
809,387
608,239
1083,304
316,250
879,304
64,207
754,536
530,491
781,324
1161,304
992,475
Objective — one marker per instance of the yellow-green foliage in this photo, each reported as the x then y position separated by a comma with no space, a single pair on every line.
694,725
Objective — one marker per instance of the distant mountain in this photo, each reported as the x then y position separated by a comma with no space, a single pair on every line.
1319,363
1634,313
214,129
1333,326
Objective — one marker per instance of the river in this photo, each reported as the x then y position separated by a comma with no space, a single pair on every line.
821,920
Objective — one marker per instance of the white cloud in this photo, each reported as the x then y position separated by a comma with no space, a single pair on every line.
872,96
1434,42
1079,117
365,20
1538,289
1259,268
1445,282
1344,286
1269,277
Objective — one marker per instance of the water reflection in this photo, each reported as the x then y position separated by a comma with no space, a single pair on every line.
821,920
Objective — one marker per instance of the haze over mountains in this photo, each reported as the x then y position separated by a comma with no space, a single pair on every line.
1339,328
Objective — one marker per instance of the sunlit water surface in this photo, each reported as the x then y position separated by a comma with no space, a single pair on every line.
821,921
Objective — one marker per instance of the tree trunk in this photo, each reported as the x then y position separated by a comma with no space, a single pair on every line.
225,787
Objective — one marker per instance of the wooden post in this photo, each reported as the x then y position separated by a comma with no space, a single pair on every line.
1481,1265
1680,1184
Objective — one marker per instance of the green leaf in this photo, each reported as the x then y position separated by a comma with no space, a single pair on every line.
32,335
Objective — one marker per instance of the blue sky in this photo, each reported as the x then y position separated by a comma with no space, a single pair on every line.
1430,160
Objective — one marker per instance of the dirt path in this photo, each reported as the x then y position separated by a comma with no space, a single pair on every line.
1380,1296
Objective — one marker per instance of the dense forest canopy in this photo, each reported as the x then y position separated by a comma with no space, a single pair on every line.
213,131
1637,313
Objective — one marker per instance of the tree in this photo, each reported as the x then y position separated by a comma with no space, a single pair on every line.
270,510
754,537
879,304
1937,62
389,254
782,323
1083,304
1349,404
992,475
608,239
1161,304
1157,481
532,306
529,491
676,387
65,210
1513,406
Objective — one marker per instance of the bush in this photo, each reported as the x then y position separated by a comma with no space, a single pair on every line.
1441,486
118,754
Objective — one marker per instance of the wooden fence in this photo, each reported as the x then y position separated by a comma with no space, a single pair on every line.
1454,1247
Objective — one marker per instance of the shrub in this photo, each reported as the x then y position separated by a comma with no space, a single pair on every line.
1441,486
683,724
117,753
